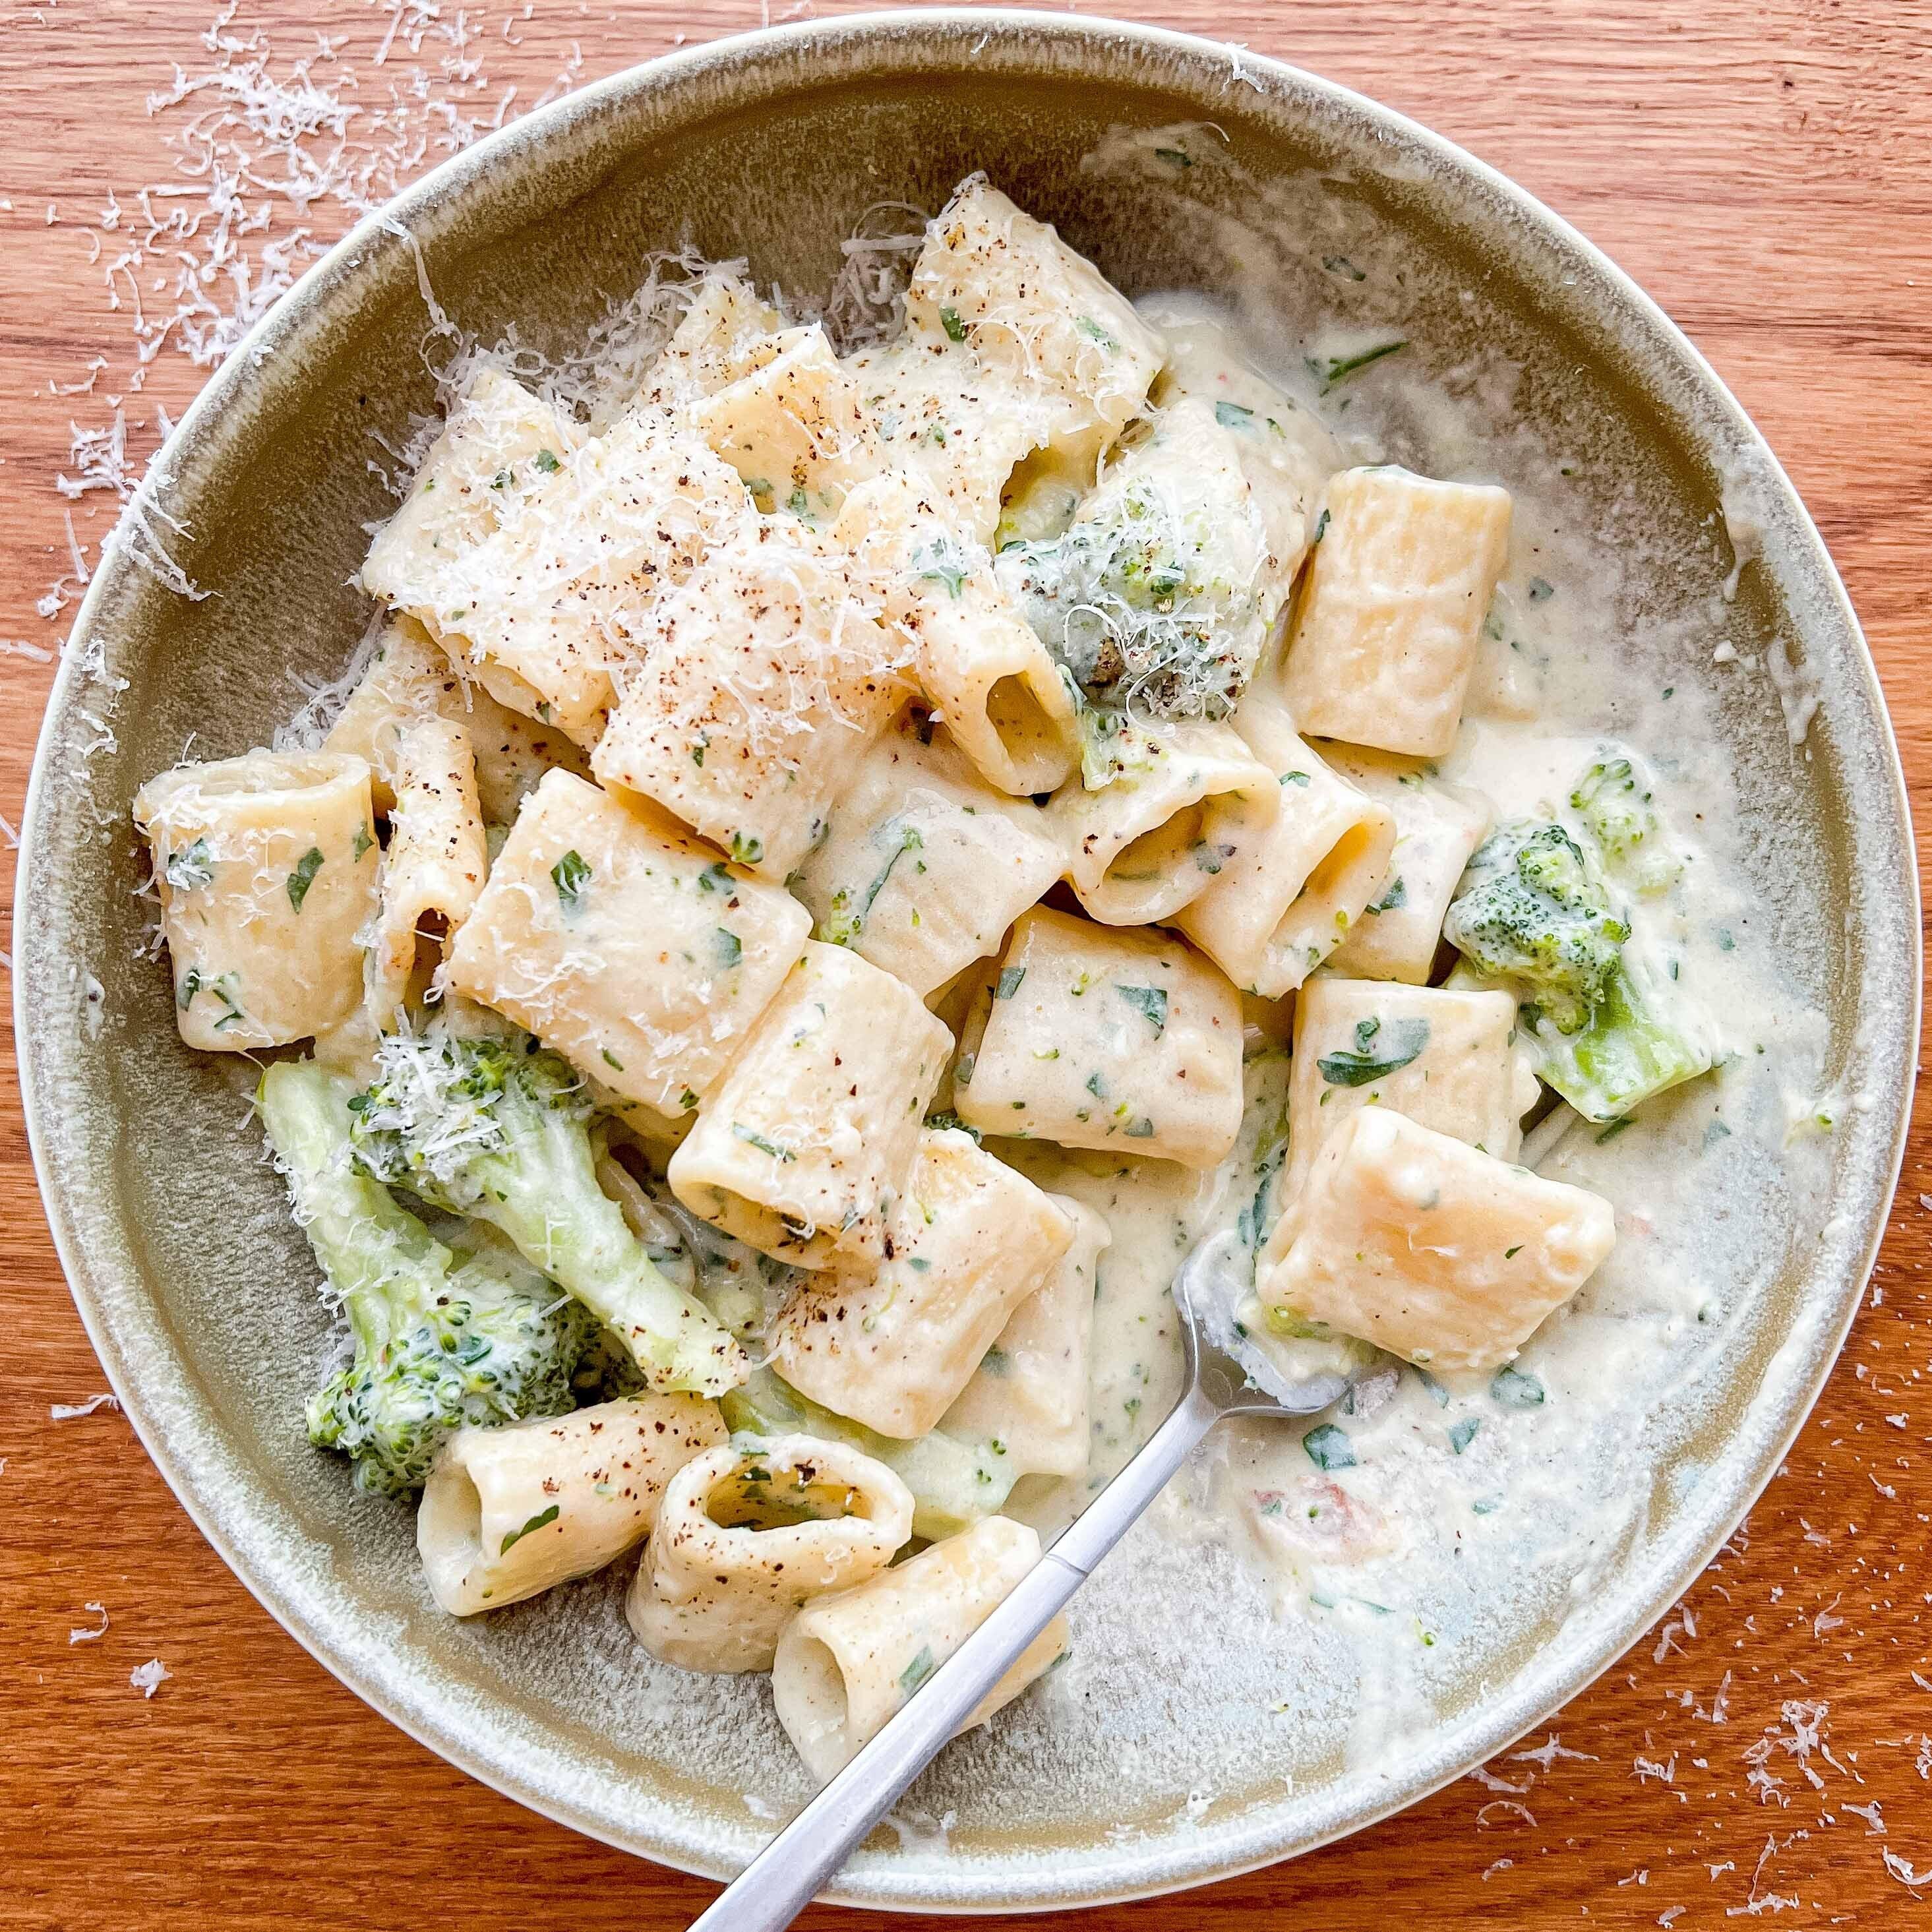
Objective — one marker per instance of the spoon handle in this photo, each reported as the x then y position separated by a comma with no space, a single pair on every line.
784,1877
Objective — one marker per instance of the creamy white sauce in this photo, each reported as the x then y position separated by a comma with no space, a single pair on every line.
1467,1520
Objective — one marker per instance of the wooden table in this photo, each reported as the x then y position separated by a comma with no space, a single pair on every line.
1765,168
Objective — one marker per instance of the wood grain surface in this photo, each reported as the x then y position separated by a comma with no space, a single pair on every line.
1765,168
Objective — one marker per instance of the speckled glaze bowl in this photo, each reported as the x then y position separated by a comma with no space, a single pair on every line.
194,1285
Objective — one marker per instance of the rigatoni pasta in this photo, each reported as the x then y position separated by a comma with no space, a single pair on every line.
847,1662
509,1513
925,866
266,866
750,1531
1386,635
621,941
1427,1247
970,1241
805,1146
1095,1037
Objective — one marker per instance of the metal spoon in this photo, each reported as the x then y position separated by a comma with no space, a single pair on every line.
784,1877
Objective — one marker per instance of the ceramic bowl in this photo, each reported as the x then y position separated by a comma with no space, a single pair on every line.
196,1289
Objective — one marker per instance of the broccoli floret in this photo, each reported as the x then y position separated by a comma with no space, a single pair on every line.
1640,1039
498,1129
1158,599
1535,916
1534,910
1613,799
441,1338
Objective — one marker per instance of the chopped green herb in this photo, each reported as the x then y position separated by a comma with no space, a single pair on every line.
1321,529
1395,898
918,1670
956,329
611,1060
1510,1254
1540,588
1233,416
1368,1061
752,1138
1340,265
303,876
1339,368
746,850
1096,1086
365,838
192,867
502,479
1092,330
1150,1002
1515,1389
1463,1432
1175,157
730,948
191,985
547,462
1329,1448
1615,1127
1297,778
1141,1129
714,878
570,875
542,1516
1009,984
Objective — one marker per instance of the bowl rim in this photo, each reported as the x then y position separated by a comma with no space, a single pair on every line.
1536,1689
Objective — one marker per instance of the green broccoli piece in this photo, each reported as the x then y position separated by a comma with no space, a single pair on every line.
441,1339
1533,909
1613,800
1639,1041
1534,916
498,1129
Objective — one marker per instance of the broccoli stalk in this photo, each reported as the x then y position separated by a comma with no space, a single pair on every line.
1534,917
1613,800
440,1341
499,1129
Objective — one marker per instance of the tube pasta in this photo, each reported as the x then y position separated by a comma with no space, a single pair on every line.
749,1532
770,680
981,666
410,679
1450,1060
1029,1393
564,595
435,865
924,867
1097,1038
846,1663
793,425
508,1513
266,866
971,1241
1282,903
626,946
499,443
1437,827
1430,1248
1392,615
1183,807
1003,285
806,1145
